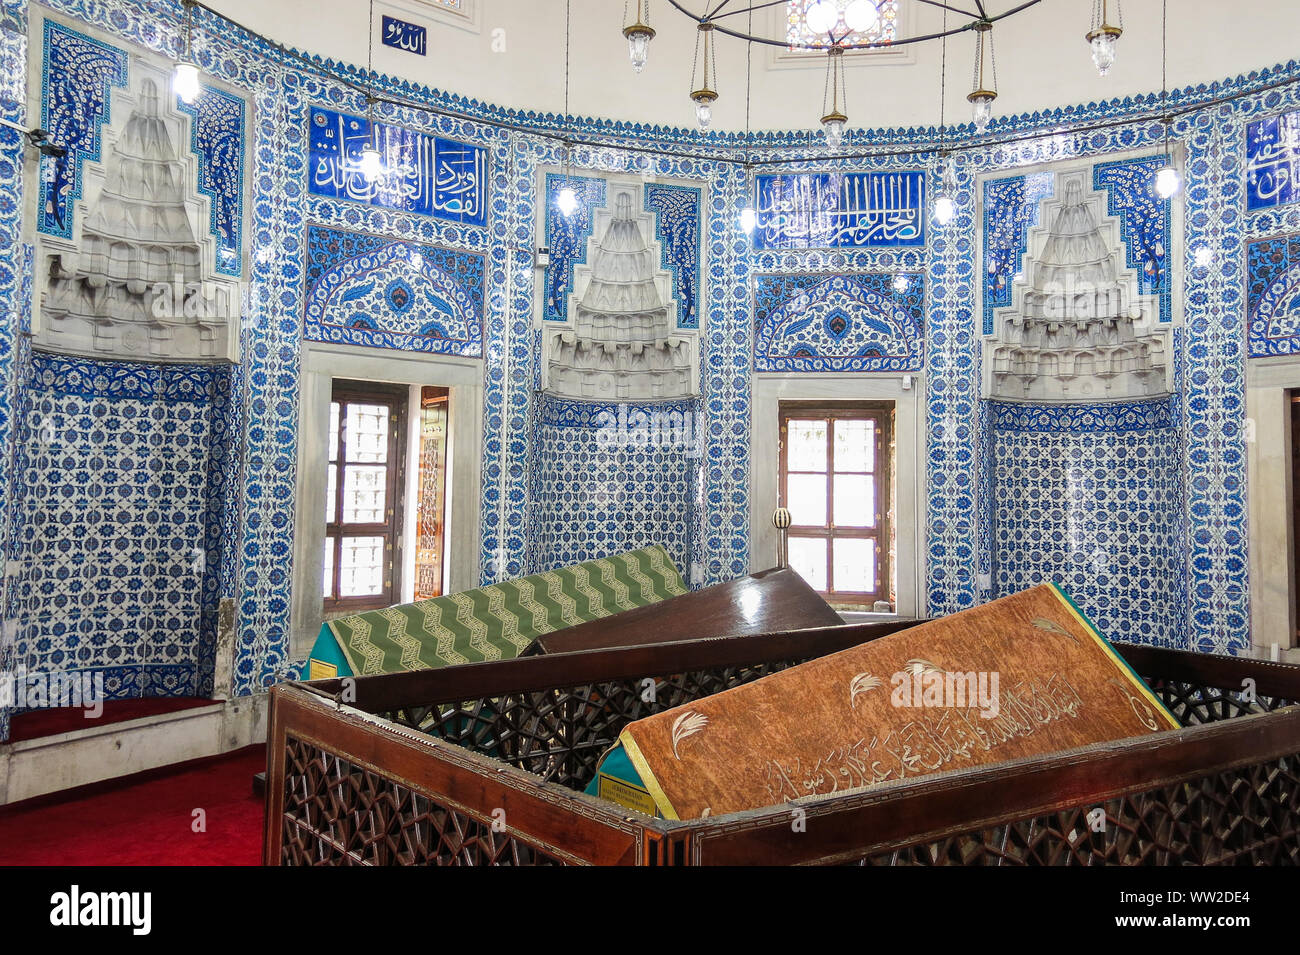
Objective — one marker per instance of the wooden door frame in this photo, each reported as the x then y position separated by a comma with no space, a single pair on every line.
883,413
397,398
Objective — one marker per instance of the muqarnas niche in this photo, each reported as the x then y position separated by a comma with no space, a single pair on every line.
138,277
1078,327
620,339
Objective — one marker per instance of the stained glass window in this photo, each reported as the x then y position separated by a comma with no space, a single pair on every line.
883,30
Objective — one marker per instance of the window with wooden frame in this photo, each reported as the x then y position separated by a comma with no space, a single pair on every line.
363,500
835,480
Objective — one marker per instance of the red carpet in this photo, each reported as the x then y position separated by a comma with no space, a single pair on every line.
146,820
65,719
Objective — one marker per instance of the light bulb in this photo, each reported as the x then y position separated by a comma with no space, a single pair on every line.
567,201
861,15
833,129
982,112
185,81
1103,52
822,16
944,209
703,113
638,47
901,283
1167,182
748,220
372,164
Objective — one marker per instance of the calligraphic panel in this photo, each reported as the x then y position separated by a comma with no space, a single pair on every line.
401,35
423,174
1273,161
834,210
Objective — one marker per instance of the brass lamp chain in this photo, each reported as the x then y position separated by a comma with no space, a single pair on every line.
985,30
1101,16
370,79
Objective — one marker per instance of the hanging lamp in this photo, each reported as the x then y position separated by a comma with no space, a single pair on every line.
639,33
185,75
1103,34
704,96
985,92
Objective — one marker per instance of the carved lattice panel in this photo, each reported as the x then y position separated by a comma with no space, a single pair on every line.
561,734
1194,704
1244,817
336,813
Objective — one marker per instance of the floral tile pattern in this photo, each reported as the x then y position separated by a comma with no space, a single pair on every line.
984,465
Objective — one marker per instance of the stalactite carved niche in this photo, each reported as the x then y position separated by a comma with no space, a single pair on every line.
618,334
140,228
1079,327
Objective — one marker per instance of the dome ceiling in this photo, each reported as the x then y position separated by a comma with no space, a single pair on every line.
511,52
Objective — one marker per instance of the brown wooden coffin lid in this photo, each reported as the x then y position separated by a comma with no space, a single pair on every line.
859,717
764,602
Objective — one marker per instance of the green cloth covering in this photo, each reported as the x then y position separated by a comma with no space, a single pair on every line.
492,623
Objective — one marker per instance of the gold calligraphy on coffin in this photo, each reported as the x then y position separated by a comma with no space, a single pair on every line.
939,739
1021,676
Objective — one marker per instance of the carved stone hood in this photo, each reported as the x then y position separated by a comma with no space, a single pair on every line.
623,342
1077,329
136,280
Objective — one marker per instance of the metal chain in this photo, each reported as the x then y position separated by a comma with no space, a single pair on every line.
993,61
749,61
943,79
826,86
695,60
566,60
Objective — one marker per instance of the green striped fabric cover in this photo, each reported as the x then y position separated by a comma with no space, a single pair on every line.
492,623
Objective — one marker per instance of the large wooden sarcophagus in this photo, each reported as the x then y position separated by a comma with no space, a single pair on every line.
487,763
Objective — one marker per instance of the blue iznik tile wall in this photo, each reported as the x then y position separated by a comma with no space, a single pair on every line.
14,277
1090,496
444,264
611,477
115,471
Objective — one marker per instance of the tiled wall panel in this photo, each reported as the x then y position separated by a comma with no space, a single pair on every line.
114,503
1090,497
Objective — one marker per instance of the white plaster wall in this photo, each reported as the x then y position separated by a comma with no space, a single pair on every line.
1042,58
1272,550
